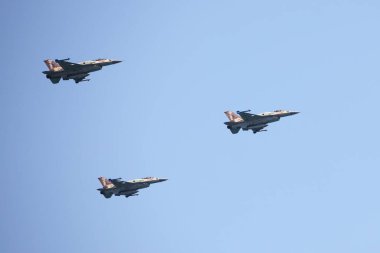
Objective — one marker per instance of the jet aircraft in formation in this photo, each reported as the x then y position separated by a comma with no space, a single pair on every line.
119,187
77,71
255,122
63,69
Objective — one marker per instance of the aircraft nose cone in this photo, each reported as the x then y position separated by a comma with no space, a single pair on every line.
114,62
163,179
293,113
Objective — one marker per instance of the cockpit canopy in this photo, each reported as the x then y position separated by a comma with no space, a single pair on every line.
100,60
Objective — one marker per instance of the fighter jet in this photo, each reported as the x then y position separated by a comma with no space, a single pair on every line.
255,122
119,187
77,71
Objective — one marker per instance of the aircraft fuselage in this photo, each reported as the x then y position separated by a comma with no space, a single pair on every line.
66,74
247,125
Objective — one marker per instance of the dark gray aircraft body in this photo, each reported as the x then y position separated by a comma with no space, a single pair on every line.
129,188
77,71
255,122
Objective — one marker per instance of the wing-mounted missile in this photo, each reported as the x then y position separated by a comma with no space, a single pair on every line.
127,196
257,126
115,179
258,131
238,112
67,59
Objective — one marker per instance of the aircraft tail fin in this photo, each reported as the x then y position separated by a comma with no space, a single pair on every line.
233,117
106,183
52,65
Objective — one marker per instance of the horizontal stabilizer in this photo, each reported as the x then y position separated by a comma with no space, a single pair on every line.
107,195
234,130
55,80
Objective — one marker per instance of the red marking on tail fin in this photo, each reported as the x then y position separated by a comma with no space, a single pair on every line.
106,183
233,117
52,65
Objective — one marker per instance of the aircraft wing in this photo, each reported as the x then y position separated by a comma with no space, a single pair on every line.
259,128
129,193
66,65
246,116
80,78
120,183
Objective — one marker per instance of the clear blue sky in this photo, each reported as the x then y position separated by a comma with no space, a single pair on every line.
309,184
